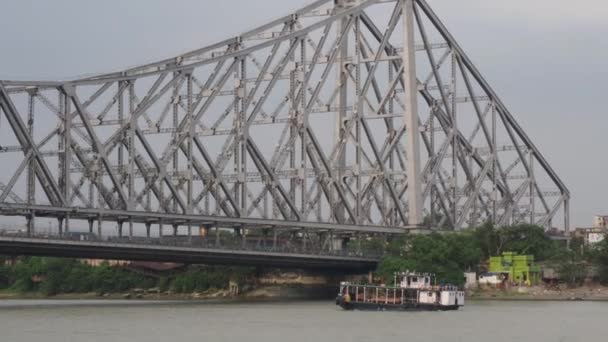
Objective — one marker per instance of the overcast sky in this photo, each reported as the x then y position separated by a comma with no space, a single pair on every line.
547,59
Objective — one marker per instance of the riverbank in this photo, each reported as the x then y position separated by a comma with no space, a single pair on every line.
559,293
288,293
258,293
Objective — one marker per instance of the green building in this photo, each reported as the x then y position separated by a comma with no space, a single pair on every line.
518,268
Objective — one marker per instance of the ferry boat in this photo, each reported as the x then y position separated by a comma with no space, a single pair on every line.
411,292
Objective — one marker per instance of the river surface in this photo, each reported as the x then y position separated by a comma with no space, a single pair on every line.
132,321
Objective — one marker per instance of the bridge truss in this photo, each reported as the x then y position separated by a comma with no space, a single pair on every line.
345,116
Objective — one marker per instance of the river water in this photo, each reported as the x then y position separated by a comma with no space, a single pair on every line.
64,321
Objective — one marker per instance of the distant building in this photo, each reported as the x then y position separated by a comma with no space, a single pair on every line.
517,269
490,279
470,280
600,221
591,236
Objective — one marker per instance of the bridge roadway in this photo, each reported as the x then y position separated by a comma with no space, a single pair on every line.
138,251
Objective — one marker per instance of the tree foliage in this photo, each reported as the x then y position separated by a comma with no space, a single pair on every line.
51,276
600,256
522,239
446,255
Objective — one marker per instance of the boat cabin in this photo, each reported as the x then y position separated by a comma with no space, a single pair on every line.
415,280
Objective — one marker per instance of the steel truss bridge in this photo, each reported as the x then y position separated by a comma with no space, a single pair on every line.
345,118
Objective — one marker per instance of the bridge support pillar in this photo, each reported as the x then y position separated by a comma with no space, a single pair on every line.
120,228
67,223
217,236
30,223
99,225
175,228
148,227
91,223
130,230
60,225
243,238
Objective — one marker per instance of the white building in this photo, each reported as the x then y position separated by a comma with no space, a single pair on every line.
470,280
491,279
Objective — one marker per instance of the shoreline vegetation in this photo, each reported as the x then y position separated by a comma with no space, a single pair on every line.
261,293
448,255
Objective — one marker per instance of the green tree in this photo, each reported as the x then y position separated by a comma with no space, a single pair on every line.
600,258
447,255
487,240
5,273
525,239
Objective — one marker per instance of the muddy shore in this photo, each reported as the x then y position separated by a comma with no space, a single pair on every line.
557,293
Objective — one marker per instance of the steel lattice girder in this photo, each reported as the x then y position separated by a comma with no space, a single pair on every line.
307,119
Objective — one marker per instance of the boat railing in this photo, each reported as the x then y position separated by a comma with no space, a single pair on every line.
390,294
380,294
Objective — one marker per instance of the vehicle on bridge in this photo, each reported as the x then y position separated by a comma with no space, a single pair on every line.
411,292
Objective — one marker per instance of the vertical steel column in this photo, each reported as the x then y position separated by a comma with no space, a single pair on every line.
456,145
411,115
191,125
176,101
243,140
121,147
432,159
293,120
302,126
31,176
67,148
531,189
359,115
567,215
342,103
239,121
388,204
131,144
494,168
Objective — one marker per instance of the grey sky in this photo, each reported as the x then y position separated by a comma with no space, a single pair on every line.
545,58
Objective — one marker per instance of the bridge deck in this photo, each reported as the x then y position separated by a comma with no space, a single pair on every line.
189,255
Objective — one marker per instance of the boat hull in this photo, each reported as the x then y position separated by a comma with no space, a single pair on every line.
361,306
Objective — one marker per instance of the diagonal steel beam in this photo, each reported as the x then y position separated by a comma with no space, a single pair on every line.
42,171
